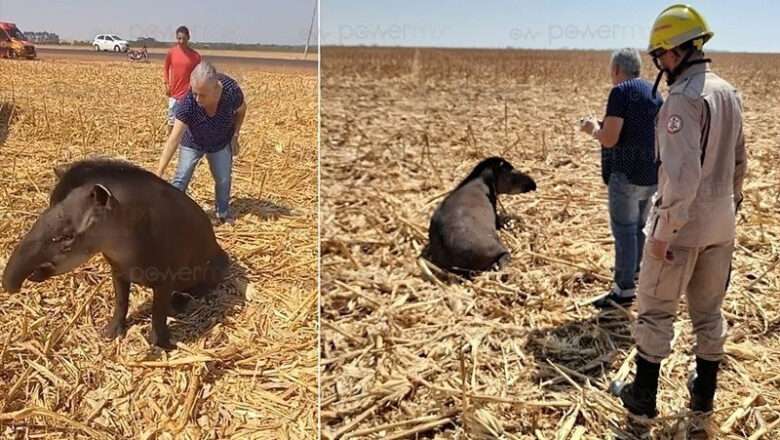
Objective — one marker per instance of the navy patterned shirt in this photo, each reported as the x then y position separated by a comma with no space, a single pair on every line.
210,133
634,153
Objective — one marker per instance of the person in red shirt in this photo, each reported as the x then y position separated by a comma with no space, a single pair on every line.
179,63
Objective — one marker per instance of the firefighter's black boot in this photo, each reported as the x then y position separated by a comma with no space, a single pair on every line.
702,385
639,396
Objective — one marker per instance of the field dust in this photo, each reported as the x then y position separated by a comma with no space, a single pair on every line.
245,366
518,354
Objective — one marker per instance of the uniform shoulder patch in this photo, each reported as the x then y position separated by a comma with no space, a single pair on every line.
674,124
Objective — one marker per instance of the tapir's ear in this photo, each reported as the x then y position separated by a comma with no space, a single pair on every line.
102,196
60,170
102,200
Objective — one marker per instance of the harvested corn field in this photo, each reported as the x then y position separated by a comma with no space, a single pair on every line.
245,365
516,354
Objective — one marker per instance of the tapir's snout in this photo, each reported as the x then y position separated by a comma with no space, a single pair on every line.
520,183
530,186
11,283
26,262
12,289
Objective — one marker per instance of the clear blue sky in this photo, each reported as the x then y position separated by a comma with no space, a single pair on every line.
240,21
742,25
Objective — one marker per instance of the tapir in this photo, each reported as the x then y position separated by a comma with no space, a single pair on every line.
463,235
149,232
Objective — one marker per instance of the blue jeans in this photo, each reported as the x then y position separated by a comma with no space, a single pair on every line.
220,163
629,206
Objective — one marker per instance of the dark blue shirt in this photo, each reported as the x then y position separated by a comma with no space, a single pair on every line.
634,153
210,133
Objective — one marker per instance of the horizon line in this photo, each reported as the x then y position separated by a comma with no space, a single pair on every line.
571,49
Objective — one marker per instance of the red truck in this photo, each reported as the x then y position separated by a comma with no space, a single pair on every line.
13,44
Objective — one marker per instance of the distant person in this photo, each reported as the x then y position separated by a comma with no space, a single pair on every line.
138,54
179,63
628,167
208,120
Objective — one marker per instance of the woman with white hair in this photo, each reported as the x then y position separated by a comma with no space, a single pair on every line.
628,166
208,120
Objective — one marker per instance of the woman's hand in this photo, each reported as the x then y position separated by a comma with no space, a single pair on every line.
588,125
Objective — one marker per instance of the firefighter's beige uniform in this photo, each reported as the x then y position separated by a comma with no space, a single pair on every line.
700,143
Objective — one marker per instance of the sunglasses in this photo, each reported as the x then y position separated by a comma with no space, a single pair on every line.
656,55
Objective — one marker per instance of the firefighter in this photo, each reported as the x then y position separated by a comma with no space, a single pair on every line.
691,227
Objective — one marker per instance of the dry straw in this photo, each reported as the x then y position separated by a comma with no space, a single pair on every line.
518,354
246,362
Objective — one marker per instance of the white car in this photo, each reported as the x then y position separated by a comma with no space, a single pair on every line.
110,42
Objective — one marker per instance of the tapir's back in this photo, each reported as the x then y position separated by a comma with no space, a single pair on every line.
165,218
462,230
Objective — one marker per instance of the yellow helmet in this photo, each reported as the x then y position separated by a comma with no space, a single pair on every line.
676,25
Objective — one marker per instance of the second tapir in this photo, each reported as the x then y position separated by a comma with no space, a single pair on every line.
148,231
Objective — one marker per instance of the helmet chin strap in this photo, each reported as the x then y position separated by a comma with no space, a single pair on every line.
671,75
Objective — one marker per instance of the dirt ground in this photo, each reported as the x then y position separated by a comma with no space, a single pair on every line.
268,54
245,366
518,354
221,59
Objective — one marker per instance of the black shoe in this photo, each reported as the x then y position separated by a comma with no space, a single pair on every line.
702,384
604,303
639,397
218,221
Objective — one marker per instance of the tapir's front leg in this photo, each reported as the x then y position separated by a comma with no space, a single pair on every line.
503,261
161,303
117,326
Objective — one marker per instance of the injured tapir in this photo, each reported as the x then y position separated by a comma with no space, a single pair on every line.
149,232
463,234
